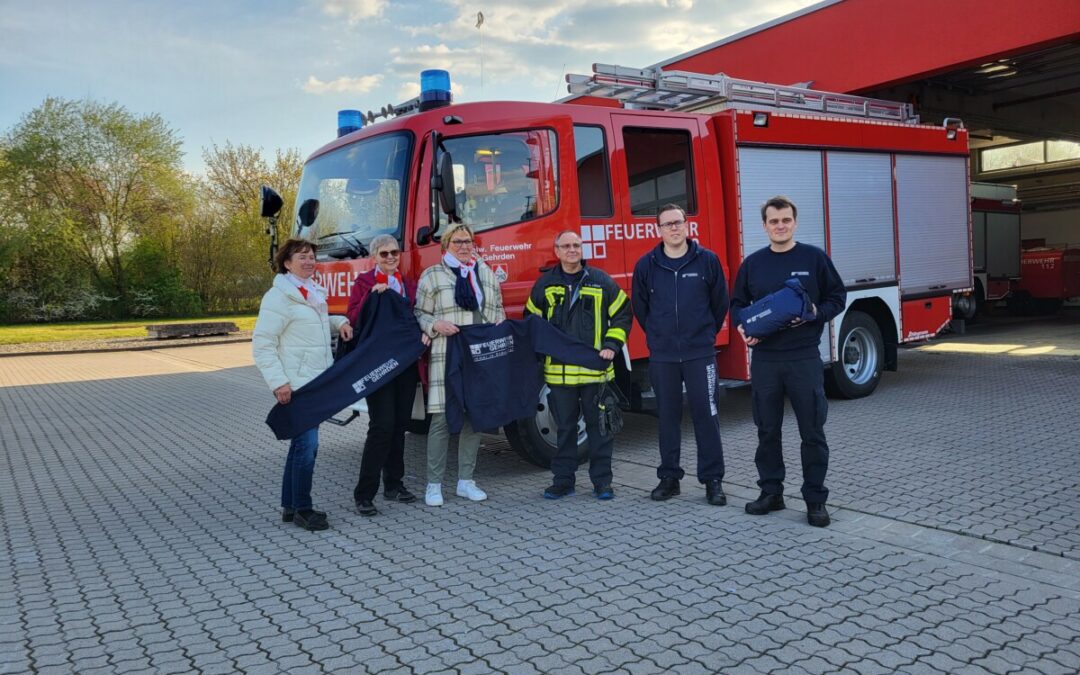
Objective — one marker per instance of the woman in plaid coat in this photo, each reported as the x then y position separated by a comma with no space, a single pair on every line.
459,290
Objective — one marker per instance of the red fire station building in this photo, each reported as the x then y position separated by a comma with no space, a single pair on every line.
1010,69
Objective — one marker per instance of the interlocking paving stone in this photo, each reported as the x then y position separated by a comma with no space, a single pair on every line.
520,584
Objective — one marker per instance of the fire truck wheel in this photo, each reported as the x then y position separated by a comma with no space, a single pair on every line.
534,438
861,357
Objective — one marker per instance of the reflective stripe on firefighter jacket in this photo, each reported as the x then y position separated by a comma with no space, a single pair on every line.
589,306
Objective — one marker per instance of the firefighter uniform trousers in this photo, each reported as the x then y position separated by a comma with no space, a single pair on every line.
566,404
701,393
802,380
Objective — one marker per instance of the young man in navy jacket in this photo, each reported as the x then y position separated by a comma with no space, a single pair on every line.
680,298
788,362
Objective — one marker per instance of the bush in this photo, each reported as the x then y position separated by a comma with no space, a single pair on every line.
156,286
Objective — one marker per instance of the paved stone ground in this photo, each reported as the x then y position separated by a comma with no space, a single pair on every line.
141,534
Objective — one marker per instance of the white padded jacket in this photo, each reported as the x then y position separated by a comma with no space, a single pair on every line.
291,342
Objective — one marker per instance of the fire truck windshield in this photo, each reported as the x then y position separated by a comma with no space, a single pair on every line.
359,191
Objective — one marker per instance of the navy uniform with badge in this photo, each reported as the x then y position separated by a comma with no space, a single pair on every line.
787,362
587,304
680,299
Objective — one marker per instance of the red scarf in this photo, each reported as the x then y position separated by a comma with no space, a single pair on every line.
381,278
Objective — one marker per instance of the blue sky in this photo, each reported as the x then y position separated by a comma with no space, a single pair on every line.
272,74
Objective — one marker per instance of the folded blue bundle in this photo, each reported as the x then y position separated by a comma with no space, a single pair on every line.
777,310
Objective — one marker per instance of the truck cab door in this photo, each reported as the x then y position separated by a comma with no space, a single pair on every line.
516,188
658,160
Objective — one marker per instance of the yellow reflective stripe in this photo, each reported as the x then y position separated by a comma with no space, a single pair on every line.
569,368
617,333
551,293
579,379
598,302
617,304
530,306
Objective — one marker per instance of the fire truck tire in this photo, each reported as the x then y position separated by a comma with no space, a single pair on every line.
534,438
857,370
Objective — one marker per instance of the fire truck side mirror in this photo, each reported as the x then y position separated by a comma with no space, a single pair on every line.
271,202
443,182
308,212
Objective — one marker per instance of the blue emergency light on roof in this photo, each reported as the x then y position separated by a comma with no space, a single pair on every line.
349,121
434,89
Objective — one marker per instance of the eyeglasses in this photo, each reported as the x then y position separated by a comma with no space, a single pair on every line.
671,225
461,242
389,254
566,247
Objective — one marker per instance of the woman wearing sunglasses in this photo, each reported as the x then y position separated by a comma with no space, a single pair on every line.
389,408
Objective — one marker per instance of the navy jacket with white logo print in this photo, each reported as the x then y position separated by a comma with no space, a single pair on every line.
492,374
680,302
388,343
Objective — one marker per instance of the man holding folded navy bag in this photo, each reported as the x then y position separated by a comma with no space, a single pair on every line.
785,359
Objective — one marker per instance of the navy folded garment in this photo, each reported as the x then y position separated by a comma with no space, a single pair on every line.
389,342
492,373
777,310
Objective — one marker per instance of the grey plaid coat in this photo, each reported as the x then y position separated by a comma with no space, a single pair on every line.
434,302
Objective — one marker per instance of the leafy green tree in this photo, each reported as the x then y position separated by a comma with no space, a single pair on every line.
94,176
223,250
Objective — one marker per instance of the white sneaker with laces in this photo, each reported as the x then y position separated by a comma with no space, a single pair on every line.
433,495
468,489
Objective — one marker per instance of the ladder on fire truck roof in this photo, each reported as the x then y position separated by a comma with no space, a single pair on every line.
653,88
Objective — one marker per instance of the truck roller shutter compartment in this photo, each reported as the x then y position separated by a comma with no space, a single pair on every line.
932,203
795,174
862,245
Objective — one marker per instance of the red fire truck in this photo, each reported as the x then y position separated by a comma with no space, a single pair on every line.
885,196
995,236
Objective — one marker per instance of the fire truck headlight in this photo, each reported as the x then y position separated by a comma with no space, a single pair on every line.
761,119
349,121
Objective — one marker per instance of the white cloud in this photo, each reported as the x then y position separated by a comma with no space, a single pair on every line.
351,85
354,10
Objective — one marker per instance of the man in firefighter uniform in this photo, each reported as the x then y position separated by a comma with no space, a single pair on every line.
787,362
680,299
587,304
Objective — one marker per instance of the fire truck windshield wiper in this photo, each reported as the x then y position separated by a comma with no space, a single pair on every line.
355,248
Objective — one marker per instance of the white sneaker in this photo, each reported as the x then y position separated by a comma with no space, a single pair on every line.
468,489
433,496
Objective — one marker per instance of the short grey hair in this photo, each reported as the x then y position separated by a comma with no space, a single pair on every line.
381,240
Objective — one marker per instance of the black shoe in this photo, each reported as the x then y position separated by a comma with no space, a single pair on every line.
817,516
714,493
287,515
764,504
604,493
310,520
400,494
365,507
668,488
558,491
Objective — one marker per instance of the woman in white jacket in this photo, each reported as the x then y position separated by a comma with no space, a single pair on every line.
291,345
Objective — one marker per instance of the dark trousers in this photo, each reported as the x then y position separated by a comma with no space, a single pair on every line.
803,383
699,376
389,410
567,404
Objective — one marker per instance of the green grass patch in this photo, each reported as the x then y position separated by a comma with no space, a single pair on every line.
101,330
